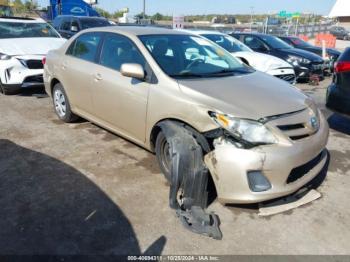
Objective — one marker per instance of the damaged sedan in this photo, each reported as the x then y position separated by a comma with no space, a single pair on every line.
206,115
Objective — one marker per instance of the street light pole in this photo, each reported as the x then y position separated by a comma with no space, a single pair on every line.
251,17
144,9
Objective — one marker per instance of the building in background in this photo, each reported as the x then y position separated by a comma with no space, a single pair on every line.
341,11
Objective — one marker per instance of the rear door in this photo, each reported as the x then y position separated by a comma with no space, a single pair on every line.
77,70
121,102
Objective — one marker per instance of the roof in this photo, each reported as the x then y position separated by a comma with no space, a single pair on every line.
341,8
201,32
80,17
140,30
14,19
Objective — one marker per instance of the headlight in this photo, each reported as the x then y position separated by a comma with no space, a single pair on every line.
4,57
295,60
243,129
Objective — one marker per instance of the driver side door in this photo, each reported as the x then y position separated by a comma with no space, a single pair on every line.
120,101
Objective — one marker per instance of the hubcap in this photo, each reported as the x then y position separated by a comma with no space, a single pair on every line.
60,103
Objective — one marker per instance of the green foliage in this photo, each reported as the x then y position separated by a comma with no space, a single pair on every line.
18,6
30,5
103,12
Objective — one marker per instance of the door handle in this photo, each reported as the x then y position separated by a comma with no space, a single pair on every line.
98,77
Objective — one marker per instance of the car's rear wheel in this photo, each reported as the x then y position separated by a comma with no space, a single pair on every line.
61,104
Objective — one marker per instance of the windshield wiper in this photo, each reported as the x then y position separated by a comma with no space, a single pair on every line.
187,74
229,72
224,72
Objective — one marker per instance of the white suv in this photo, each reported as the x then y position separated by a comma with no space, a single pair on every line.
24,42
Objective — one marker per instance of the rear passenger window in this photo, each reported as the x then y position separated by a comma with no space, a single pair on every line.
118,50
85,46
65,25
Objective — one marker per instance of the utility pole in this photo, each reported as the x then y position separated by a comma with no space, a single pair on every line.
144,9
251,17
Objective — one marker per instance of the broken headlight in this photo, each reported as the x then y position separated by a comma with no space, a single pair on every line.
244,129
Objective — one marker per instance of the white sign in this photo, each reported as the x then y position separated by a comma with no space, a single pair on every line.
91,2
178,22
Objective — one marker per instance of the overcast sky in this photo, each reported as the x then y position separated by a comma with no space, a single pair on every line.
216,6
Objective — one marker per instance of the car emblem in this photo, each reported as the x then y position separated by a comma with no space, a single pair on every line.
314,123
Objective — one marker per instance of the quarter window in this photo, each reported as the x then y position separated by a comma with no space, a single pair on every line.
118,50
85,46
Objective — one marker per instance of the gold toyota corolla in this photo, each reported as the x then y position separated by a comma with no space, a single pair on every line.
261,137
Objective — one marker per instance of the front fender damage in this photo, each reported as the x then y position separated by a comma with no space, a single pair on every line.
189,179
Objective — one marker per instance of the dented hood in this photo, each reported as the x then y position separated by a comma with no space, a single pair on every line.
252,96
30,46
262,62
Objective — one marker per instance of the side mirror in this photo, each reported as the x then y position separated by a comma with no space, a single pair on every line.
74,28
133,70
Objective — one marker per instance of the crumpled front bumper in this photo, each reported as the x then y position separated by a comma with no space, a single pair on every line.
229,166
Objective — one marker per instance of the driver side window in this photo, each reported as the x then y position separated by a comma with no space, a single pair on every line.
254,43
118,50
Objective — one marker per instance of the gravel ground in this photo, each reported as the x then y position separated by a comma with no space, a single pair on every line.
78,189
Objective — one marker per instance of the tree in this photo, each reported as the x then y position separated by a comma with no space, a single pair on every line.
103,12
30,5
158,17
18,6
118,14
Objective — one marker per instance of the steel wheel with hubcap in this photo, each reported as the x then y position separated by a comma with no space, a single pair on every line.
61,104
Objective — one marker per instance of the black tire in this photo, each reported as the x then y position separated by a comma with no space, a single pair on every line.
6,92
65,115
164,165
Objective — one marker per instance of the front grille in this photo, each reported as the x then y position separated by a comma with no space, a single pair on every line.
295,131
301,171
289,78
298,125
34,64
317,68
34,79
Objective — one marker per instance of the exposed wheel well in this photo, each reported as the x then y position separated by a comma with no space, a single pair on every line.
198,136
202,141
53,83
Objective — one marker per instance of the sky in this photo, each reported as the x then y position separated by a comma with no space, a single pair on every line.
186,7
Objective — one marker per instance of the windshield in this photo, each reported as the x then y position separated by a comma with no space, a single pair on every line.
275,42
228,42
192,56
24,30
90,23
300,42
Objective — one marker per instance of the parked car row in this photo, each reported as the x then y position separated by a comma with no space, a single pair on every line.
262,62
305,63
